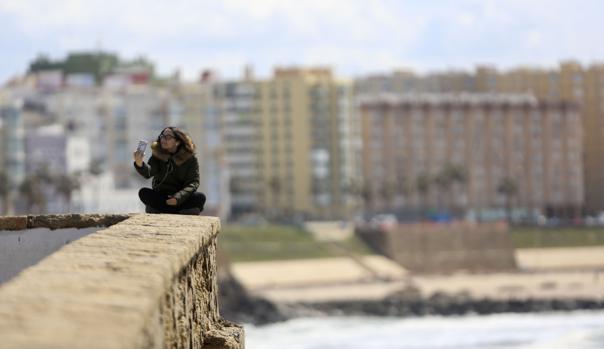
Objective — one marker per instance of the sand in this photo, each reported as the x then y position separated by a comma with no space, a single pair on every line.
543,273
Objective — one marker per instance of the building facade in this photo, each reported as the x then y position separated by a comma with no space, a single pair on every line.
491,139
240,129
570,82
307,126
201,118
12,150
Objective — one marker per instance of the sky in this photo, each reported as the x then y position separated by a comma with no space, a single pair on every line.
354,37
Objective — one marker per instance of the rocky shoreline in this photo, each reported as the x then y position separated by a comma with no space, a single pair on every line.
237,305
445,306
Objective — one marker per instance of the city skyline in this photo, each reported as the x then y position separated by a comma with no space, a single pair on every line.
351,37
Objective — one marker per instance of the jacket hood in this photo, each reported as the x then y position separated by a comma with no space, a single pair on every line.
180,157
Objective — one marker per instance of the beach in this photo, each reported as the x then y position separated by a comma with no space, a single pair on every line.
545,273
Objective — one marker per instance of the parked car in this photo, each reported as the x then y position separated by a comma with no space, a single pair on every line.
383,221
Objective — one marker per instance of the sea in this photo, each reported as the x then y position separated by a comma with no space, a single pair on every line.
568,330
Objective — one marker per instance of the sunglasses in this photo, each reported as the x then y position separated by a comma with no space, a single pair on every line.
166,137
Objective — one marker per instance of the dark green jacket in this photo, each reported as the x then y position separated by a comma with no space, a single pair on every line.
175,174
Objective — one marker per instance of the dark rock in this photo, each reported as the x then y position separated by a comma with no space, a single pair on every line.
444,304
238,306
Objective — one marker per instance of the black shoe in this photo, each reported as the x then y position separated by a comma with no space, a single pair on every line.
149,209
194,211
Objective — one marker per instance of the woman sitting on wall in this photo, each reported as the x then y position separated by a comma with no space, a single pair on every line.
175,173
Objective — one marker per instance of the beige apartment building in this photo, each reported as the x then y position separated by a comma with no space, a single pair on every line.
491,137
593,126
570,82
201,119
307,143
285,146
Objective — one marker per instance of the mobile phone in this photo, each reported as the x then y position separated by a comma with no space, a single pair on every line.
142,145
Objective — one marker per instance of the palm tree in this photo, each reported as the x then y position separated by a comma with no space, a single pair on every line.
65,185
43,174
443,183
31,189
388,192
275,187
508,187
236,185
367,195
354,189
95,169
4,192
401,186
457,174
422,184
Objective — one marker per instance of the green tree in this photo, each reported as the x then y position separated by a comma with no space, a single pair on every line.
275,187
422,185
368,195
4,192
236,185
401,185
31,189
457,175
388,192
509,188
65,185
443,182
95,168
354,189
446,180
42,62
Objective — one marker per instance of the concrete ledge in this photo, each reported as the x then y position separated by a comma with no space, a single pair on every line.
60,221
146,282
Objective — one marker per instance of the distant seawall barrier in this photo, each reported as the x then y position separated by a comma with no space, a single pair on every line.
443,248
145,281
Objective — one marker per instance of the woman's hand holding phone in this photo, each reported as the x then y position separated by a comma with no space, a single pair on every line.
139,153
138,158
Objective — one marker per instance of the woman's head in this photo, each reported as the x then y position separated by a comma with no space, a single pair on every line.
171,139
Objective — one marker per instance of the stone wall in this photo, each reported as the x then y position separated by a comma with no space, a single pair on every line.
443,248
148,281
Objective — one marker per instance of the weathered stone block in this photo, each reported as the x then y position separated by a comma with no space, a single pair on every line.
13,223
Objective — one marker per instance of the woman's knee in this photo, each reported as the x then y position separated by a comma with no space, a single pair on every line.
144,192
200,199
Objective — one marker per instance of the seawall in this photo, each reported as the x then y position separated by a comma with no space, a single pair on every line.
148,281
445,248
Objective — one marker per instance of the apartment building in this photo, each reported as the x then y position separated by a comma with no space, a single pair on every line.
12,149
201,120
306,132
569,82
491,137
238,119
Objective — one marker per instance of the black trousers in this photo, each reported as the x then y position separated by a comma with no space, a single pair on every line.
157,201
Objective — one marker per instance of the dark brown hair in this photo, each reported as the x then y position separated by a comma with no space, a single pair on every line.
183,137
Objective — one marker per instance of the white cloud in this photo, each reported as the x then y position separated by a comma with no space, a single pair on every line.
534,39
352,36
